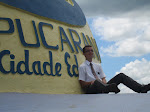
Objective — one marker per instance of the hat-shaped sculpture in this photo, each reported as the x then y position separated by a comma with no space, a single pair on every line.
62,10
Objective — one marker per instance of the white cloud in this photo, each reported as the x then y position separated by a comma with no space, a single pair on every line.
132,8
111,29
146,34
125,22
137,70
128,47
131,37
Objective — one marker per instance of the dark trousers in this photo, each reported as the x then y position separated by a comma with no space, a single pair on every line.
100,87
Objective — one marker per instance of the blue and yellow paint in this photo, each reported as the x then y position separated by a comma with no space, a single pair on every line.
66,11
41,46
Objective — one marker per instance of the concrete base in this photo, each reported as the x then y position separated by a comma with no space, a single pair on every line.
24,102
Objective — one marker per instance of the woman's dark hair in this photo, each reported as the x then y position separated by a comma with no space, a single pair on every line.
85,47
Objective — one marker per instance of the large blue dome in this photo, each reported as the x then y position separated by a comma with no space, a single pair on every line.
59,10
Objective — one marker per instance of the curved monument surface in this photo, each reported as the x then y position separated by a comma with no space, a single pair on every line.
41,46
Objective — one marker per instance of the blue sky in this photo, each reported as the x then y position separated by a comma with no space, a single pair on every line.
121,29
112,64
